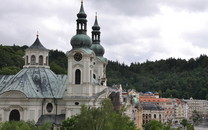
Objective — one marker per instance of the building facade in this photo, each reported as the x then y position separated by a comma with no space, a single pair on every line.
201,106
36,93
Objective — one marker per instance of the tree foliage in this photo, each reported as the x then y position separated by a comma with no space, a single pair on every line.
22,125
172,77
153,125
196,117
102,118
58,61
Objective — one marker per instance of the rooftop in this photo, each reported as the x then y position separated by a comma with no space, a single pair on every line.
35,83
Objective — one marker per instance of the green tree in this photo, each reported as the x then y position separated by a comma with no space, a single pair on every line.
15,125
10,70
184,122
196,117
22,125
56,68
190,127
153,125
102,118
70,123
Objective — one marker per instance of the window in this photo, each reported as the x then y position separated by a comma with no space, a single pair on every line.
124,99
49,107
33,60
40,60
94,77
77,76
76,103
155,116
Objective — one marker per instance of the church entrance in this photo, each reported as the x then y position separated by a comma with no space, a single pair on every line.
14,115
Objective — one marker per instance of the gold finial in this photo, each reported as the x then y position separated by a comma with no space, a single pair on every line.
37,34
81,1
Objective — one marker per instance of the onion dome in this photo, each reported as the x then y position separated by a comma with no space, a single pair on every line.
96,47
81,40
37,45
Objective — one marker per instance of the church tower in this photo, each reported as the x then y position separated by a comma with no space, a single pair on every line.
86,68
100,65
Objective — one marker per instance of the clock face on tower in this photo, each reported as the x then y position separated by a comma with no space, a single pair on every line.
77,56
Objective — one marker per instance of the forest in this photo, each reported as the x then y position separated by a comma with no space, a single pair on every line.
177,78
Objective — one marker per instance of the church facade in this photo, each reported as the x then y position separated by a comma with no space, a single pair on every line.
37,93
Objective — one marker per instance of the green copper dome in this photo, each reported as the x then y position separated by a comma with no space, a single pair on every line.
81,41
98,49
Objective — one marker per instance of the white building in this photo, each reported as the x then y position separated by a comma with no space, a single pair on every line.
201,106
36,93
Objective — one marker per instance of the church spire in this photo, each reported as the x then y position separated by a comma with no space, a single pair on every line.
81,21
96,31
96,47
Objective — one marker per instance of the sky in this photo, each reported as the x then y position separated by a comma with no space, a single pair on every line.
131,30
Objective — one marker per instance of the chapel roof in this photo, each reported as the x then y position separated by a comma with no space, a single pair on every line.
35,83
37,45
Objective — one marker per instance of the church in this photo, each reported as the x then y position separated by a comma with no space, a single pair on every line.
37,94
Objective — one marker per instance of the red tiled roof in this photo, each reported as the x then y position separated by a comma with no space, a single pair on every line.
150,99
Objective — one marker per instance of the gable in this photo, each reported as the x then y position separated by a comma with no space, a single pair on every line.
13,94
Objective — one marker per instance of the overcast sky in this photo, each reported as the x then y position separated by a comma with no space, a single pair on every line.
131,30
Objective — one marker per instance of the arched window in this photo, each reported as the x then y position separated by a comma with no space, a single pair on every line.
40,60
155,116
94,76
26,60
33,60
14,115
77,76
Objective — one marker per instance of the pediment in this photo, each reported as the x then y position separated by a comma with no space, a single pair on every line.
77,66
13,94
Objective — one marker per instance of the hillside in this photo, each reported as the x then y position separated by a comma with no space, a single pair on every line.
171,77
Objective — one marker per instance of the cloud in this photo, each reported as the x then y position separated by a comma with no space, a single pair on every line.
131,31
